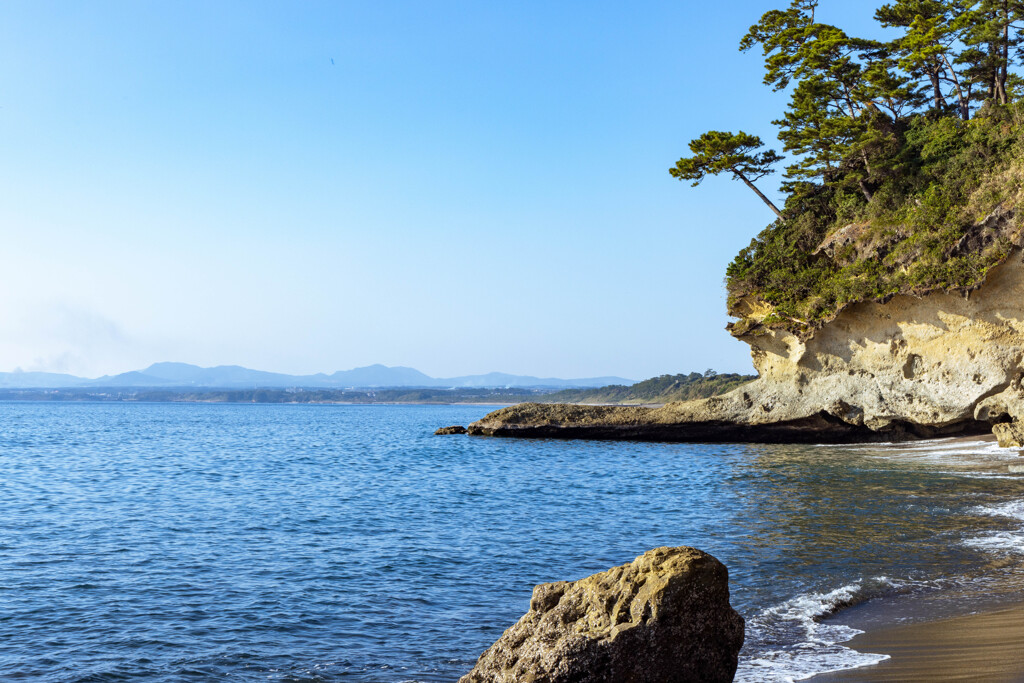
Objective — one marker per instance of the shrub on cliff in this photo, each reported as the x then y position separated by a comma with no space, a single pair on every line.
909,238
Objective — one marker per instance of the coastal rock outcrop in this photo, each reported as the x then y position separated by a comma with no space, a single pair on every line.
910,367
454,429
663,618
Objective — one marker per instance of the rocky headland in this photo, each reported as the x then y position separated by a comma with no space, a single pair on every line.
885,302
909,366
663,618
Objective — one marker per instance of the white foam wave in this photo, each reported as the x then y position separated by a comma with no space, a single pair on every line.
1013,509
1002,541
921,445
793,644
973,459
977,475
1008,541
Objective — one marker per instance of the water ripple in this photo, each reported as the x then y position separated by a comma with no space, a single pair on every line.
346,543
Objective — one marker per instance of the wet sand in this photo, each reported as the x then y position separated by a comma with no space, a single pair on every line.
980,647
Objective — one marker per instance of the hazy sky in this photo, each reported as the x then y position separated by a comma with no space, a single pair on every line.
460,187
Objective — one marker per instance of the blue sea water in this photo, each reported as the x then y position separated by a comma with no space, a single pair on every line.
172,542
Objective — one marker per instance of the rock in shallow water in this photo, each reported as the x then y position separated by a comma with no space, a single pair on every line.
663,618
454,429
1010,434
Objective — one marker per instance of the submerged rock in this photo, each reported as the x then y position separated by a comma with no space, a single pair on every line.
663,618
1010,434
454,429
941,364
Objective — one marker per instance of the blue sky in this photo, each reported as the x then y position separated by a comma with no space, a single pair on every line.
459,187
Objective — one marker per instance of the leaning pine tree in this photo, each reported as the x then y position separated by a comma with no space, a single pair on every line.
717,152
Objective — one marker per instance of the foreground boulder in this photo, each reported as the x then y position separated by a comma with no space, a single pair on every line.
663,618
940,364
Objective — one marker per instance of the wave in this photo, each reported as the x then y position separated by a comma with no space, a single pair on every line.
791,643
1006,541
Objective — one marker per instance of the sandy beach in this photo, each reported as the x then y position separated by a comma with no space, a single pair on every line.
988,646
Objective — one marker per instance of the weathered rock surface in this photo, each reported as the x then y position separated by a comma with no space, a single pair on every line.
454,429
912,367
663,618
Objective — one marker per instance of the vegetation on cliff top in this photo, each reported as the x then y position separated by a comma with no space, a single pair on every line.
909,158
663,389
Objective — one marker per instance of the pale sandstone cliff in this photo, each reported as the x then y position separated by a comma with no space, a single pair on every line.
911,367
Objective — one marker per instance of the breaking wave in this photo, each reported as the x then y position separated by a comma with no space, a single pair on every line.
793,643
1004,541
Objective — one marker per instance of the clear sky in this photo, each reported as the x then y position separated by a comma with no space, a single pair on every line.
460,187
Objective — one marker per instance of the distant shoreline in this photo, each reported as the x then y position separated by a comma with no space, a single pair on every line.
496,404
390,396
653,392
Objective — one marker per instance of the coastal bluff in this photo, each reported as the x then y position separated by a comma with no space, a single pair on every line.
663,618
934,365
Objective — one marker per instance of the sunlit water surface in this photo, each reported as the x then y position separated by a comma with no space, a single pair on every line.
171,542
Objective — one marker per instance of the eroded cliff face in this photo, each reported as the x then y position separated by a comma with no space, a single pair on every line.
911,367
936,361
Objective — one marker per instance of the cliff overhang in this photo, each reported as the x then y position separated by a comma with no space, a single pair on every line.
911,366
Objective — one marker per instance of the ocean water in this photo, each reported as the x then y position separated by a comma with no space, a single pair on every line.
172,542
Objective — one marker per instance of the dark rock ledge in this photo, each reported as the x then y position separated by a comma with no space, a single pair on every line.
613,423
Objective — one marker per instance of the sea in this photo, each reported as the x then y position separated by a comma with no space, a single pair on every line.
177,542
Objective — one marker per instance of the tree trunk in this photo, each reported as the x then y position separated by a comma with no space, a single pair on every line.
940,101
964,105
1004,62
759,193
860,181
864,190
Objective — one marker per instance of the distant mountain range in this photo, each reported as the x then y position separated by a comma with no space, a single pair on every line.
236,377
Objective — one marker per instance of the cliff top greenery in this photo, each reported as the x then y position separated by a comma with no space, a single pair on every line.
663,389
907,158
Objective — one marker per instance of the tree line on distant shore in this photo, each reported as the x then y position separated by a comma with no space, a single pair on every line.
656,390
307,396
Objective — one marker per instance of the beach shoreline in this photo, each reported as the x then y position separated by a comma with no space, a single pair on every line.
962,640
984,646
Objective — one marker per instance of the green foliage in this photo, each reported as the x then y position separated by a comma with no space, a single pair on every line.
717,152
900,150
927,49
908,237
663,389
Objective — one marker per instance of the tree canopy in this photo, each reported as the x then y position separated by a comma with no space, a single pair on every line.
898,140
850,97
718,152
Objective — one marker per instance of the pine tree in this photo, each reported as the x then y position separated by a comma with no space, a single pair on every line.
928,47
993,40
836,84
719,152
